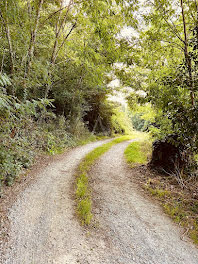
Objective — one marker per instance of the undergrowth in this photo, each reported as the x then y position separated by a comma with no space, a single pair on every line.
83,192
28,128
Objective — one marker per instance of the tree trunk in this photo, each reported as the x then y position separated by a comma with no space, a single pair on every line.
187,57
66,37
197,19
33,36
8,36
56,49
58,32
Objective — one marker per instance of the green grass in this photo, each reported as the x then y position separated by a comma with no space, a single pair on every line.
138,152
158,192
83,192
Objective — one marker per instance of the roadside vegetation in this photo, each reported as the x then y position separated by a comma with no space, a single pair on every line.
139,152
167,76
82,188
28,129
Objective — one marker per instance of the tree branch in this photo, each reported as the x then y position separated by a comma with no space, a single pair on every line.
187,57
66,37
34,35
58,31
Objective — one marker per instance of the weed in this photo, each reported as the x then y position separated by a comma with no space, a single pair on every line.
193,233
84,210
175,211
158,192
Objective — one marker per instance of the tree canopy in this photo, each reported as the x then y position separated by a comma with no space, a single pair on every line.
57,58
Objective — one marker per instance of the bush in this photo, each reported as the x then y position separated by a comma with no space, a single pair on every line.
26,128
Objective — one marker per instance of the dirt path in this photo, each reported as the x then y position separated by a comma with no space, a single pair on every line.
43,227
131,229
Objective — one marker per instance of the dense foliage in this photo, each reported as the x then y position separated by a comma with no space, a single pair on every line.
27,127
166,68
55,60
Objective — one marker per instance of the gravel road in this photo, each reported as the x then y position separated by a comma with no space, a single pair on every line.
43,226
130,229
138,231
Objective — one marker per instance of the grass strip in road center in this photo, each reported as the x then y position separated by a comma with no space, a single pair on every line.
83,192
